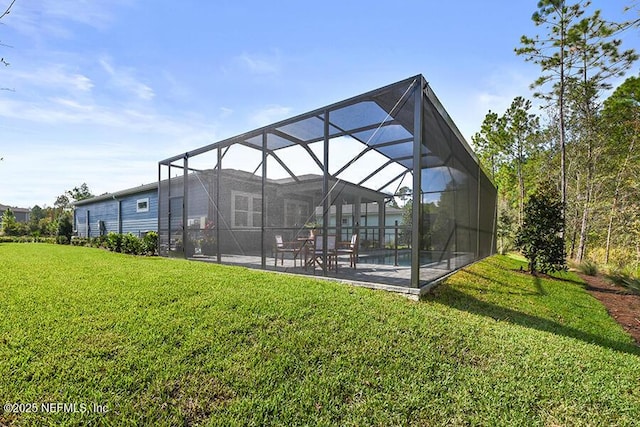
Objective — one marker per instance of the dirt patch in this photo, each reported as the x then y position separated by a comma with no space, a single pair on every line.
623,306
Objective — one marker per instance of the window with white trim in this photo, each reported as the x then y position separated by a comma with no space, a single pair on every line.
246,210
142,205
296,213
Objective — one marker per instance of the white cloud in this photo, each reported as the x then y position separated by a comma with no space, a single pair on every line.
269,114
260,64
53,76
124,79
49,18
225,112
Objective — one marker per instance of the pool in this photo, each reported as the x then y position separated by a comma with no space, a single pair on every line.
387,258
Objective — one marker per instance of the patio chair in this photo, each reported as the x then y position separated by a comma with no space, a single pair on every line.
317,252
283,247
350,248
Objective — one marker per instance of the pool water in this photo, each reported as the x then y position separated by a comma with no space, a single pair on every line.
404,259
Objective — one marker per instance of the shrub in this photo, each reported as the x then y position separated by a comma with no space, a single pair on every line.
65,228
150,243
27,239
618,257
626,279
588,267
8,223
79,241
114,242
539,237
62,240
99,242
131,244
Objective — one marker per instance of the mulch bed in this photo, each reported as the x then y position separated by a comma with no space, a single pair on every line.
623,306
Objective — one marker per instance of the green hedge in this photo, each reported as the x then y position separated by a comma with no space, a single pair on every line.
124,243
26,239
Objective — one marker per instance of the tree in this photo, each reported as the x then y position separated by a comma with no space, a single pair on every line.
521,132
9,223
598,59
62,202
554,55
540,237
3,61
621,117
489,142
65,228
79,193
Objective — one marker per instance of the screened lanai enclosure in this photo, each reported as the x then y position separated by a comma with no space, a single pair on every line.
380,189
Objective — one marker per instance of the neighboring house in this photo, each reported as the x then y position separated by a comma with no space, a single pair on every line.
134,210
21,214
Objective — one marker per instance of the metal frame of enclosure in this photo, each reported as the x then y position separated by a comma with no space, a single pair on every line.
387,170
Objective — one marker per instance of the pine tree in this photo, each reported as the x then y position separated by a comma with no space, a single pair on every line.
556,59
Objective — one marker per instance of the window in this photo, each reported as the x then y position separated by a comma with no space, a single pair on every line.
142,205
246,210
296,213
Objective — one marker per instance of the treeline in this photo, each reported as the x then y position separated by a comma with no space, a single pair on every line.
53,223
585,143
56,221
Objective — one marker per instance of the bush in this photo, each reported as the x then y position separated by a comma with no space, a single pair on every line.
80,241
150,243
65,228
539,237
626,279
99,242
588,267
131,244
114,242
62,240
618,257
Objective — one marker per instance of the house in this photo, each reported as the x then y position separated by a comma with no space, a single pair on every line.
21,214
134,210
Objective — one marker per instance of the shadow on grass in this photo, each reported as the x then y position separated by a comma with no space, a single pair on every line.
461,301
538,285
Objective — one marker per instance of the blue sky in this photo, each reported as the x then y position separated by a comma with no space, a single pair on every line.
100,91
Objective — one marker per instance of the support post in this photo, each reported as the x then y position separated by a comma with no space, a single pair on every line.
119,202
339,236
395,244
478,216
325,193
185,201
263,216
218,174
159,208
417,174
381,224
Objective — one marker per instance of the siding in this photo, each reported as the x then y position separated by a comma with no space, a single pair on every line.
107,211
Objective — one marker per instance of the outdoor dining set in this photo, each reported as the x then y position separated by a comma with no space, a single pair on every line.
309,251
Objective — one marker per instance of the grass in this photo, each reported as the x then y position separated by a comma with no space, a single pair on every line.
170,342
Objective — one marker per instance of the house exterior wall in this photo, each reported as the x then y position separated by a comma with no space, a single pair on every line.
119,215
21,214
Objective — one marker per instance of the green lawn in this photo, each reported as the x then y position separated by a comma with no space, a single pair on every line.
170,342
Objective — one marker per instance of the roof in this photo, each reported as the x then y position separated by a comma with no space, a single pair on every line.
118,194
382,120
14,209
360,117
